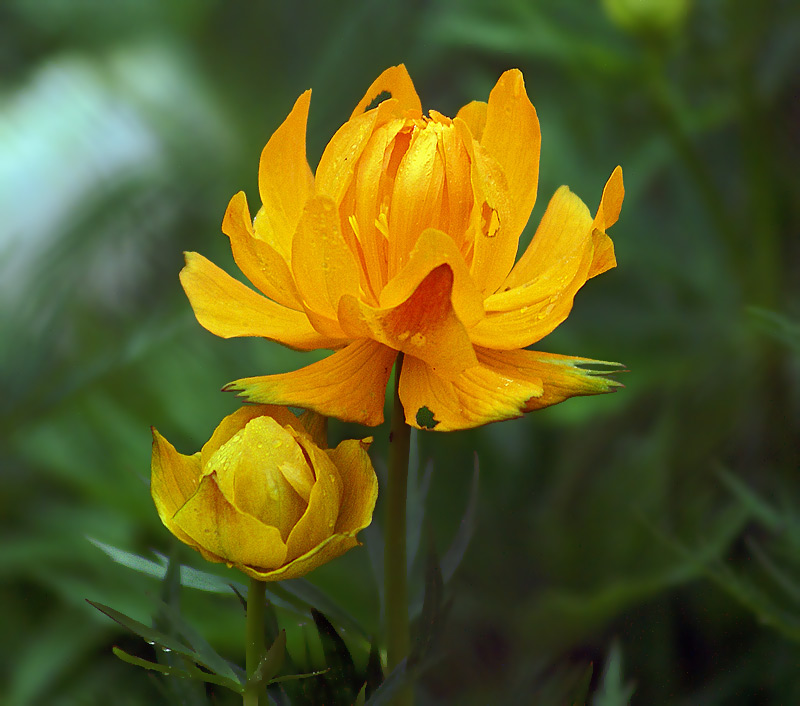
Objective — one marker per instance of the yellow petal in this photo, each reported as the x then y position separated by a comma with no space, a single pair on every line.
225,532
228,309
349,385
494,240
513,138
174,479
424,325
395,81
236,421
474,115
258,260
285,181
262,472
504,386
316,426
319,520
359,483
607,215
331,548
324,267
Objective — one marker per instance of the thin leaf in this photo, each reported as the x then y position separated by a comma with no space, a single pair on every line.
455,553
272,662
613,691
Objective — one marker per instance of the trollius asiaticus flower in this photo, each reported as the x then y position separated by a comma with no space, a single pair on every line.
405,239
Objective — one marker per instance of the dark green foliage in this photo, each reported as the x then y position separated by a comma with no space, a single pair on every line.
604,528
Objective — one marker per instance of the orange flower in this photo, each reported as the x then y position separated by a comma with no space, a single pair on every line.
406,240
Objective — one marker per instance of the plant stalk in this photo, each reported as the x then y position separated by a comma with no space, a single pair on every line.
395,573
254,693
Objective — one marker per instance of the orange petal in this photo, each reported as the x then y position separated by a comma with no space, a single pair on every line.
478,396
340,158
494,239
285,181
553,258
225,532
395,81
523,325
504,386
417,196
323,266
474,115
436,248
228,309
513,138
607,215
257,259
174,479
561,375
425,325
349,385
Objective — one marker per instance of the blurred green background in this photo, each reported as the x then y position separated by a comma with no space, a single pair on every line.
654,533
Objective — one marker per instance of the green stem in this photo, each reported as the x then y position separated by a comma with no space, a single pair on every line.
256,647
395,573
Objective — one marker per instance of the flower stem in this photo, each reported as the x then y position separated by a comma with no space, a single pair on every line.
255,647
395,573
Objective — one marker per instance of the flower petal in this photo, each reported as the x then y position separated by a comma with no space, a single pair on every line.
319,520
174,479
257,259
327,385
425,325
236,421
341,155
478,396
359,482
395,81
553,258
285,181
331,548
522,326
225,532
513,138
228,309
607,215
474,115
324,267
504,386
561,375
262,472
494,240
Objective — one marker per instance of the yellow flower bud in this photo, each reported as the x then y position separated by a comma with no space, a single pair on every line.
264,495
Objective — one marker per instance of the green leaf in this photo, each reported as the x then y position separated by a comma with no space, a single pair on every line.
582,688
430,623
612,690
397,679
761,510
226,675
342,675
455,553
208,656
272,661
